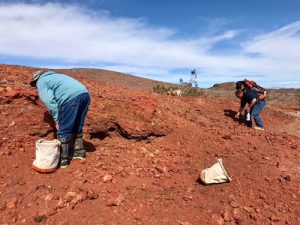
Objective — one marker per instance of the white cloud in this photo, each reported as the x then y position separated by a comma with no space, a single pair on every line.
71,35
282,44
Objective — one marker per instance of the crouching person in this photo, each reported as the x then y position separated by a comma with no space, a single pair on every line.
68,102
251,99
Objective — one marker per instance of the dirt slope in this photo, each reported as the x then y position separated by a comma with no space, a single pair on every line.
112,77
145,154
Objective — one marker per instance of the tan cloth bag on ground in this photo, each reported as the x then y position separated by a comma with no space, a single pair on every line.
47,155
215,174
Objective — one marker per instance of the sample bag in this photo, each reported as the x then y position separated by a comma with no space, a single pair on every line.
215,174
47,155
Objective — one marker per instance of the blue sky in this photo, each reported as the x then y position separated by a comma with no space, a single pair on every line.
163,40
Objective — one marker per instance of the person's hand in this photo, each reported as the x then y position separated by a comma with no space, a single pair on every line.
237,115
57,126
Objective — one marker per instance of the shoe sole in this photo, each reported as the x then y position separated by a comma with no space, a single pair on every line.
258,128
78,158
63,167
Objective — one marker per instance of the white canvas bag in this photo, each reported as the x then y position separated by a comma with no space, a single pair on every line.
215,174
47,155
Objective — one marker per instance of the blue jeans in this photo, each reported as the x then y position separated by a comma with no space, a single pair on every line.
71,116
255,113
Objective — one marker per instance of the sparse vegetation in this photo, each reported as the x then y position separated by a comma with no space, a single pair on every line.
191,91
188,88
164,89
194,92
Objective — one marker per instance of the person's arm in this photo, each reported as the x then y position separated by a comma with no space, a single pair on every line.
46,95
253,102
241,111
242,108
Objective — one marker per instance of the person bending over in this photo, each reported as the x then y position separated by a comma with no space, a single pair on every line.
250,99
68,102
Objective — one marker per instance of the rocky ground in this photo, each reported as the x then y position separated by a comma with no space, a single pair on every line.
145,155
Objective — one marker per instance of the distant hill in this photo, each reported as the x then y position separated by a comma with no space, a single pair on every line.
112,77
224,86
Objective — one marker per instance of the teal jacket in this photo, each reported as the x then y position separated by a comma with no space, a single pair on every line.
57,89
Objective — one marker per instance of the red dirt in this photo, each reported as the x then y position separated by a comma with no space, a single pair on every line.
145,154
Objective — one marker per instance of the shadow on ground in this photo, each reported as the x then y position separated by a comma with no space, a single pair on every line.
230,113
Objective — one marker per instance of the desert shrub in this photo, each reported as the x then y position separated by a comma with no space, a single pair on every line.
186,91
164,89
193,92
160,89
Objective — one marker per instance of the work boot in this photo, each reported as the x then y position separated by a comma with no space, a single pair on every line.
79,151
64,160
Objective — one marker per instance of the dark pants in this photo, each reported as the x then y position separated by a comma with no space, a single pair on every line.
71,116
255,113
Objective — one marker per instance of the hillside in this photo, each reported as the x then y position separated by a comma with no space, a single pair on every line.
145,154
112,77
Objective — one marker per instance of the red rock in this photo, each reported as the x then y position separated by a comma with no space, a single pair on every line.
249,209
92,195
61,203
217,219
227,216
287,177
107,178
115,200
12,204
253,216
238,214
2,206
234,204
69,196
186,223
39,218
48,197
274,218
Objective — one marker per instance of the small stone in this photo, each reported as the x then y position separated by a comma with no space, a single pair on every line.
186,223
12,204
115,200
253,216
107,178
237,214
48,197
39,218
151,155
249,209
227,216
218,219
92,195
61,204
2,206
287,177
51,212
70,196
274,218
6,152
234,204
